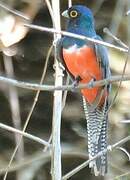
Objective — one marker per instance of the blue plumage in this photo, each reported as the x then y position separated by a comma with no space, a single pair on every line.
84,21
81,21
82,25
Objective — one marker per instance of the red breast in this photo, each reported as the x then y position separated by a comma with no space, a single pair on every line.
83,62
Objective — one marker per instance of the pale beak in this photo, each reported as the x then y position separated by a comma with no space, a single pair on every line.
65,14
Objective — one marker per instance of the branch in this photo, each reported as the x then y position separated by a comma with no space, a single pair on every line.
44,158
27,135
35,87
50,10
15,109
56,169
124,68
122,176
29,114
69,3
83,165
15,12
108,32
125,121
52,30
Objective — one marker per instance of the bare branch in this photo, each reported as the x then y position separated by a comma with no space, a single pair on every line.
15,109
83,165
50,9
56,170
121,80
44,157
27,135
35,87
122,176
29,114
125,121
15,12
52,30
108,32
124,151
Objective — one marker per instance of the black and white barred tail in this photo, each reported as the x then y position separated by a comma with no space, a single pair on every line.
97,136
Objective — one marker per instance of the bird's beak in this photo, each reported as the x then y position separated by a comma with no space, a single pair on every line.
65,14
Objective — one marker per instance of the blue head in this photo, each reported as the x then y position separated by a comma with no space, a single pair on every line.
80,20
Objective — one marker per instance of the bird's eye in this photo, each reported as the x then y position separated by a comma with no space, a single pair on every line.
73,14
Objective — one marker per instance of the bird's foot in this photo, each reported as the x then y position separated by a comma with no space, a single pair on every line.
76,82
90,83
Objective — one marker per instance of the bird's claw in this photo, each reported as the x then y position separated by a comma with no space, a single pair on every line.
76,82
90,83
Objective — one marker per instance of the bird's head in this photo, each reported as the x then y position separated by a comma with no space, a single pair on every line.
80,18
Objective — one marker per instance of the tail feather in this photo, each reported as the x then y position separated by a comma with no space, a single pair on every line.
97,136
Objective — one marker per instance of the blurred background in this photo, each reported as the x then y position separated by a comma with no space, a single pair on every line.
22,57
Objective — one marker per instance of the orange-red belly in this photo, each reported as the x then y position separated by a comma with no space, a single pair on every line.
83,62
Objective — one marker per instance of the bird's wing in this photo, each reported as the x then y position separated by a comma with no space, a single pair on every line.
59,55
102,56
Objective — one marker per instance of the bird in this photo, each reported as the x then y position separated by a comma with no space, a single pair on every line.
86,62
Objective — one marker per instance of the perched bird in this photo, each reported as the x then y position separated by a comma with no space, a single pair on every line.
86,62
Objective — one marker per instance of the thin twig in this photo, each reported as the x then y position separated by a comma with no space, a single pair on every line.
15,109
15,12
25,134
44,157
97,6
121,176
125,121
108,32
83,165
117,17
52,30
50,10
120,82
29,114
117,168
35,87
125,152
49,141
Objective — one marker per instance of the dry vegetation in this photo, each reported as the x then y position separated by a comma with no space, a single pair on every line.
27,55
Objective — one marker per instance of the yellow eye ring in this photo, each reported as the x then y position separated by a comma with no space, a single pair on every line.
73,14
